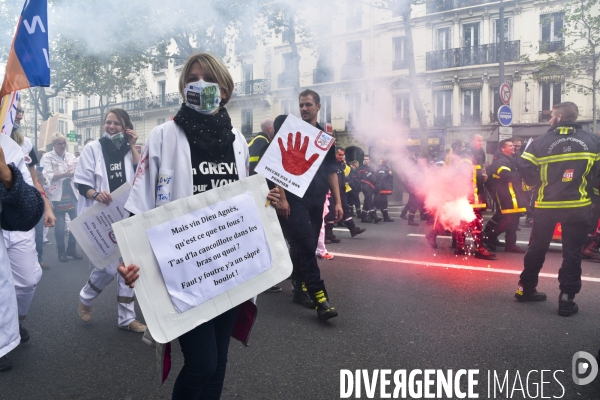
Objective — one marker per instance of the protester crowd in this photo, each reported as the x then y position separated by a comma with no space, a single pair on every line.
546,182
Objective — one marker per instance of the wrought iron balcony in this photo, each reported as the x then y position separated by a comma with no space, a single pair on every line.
547,46
434,6
544,116
442,121
147,103
285,79
248,88
474,55
399,64
470,119
322,75
352,71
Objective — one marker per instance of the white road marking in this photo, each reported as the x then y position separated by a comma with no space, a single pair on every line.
448,237
454,266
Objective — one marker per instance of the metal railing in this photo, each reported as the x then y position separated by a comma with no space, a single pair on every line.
353,71
442,121
472,55
322,75
470,119
434,6
147,103
248,88
547,46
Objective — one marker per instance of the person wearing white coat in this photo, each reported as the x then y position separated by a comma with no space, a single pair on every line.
21,207
105,165
196,152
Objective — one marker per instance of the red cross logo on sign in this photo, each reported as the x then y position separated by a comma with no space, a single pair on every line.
505,93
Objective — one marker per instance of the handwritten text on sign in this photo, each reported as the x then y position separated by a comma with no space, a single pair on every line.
209,251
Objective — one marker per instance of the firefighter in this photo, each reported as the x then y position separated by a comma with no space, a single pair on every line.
506,186
564,164
368,180
353,180
383,189
258,145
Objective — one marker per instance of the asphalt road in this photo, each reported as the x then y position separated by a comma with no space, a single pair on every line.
402,305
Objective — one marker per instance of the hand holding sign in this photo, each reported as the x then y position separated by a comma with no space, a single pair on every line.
294,158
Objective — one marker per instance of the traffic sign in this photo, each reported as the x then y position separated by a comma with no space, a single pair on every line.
505,115
505,132
505,93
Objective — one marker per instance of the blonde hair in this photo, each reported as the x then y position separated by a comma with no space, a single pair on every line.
215,68
58,136
17,137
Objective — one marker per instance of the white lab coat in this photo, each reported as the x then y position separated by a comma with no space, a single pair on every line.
166,157
9,320
91,171
54,164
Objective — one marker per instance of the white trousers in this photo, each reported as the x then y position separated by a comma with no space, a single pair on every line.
26,270
321,250
99,279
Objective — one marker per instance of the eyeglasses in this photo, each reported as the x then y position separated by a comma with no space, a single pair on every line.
20,111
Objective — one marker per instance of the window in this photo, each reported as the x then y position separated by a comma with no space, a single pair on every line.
399,55
352,107
89,103
325,113
62,127
507,30
401,108
75,105
61,105
248,71
354,52
88,133
552,35
325,56
551,95
162,91
247,122
471,107
287,106
443,103
471,35
285,35
353,15
443,40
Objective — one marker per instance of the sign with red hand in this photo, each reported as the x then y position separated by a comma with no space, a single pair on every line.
294,166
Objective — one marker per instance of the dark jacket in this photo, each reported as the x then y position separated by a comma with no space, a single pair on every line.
256,148
367,178
507,184
22,205
564,164
385,182
354,180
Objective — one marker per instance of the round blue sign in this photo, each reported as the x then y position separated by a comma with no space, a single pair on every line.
505,115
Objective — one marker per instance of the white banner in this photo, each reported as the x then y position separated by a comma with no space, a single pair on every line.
265,257
297,152
93,228
207,252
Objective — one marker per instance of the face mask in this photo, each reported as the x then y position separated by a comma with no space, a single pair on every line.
202,96
117,139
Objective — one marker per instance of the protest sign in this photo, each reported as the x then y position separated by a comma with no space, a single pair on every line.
209,251
293,166
93,228
265,257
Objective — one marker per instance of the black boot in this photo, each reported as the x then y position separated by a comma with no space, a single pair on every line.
364,218
525,294
329,234
24,334
5,364
411,220
301,296
566,305
71,252
431,239
374,217
324,310
62,257
386,216
588,253
354,230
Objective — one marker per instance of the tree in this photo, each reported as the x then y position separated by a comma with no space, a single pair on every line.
578,60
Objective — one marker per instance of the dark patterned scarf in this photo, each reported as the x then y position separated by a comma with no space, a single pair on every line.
209,133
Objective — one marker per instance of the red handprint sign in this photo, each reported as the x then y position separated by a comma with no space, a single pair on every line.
294,158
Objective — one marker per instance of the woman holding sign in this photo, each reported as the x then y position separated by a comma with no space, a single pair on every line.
103,167
184,157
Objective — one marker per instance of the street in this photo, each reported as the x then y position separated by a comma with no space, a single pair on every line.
402,305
